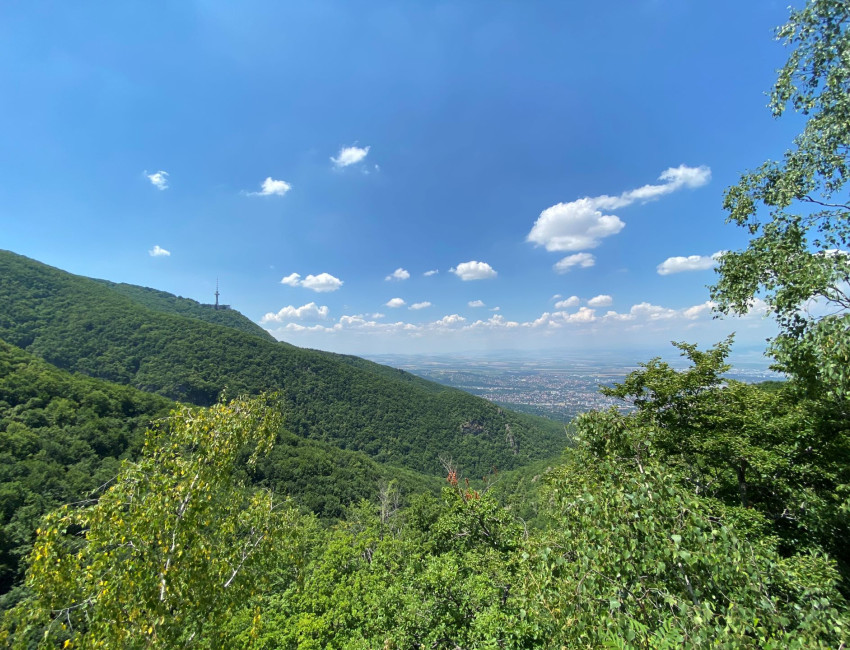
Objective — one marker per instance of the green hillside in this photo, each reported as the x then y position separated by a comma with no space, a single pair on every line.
91,327
62,436
168,303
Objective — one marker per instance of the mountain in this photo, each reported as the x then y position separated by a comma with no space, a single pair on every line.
62,436
168,303
165,345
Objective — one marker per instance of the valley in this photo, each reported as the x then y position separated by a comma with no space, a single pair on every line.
558,385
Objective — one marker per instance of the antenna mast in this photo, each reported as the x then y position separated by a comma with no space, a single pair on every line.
216,293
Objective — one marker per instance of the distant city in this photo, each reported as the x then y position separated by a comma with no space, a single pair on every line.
559,386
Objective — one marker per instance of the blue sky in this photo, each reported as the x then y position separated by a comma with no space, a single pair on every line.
557,167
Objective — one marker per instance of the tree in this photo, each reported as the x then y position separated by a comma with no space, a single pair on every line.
798,259
635,557
772,451
170,549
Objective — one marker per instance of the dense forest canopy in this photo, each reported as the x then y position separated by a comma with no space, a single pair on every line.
159,344
716,514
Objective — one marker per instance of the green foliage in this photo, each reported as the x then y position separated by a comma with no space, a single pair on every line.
798,258
438,575
325,480
780,453
636,558
637,551
89,327
170,549
170,304
61,436
714,515
64,435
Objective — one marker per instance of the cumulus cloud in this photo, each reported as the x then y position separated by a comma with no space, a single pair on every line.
644,311
395,302
349,156
689,263
272,187
158,179
310,311
583,260
573,226
572,301
398,274
583,315
158,251
449,321
428,274
602,300
474,271
584,320
321,283
475,303
582,224
692,313
420,305
495,322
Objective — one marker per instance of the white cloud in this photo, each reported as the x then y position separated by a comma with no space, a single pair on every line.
428,274
449,321
584,260
581,224
158,179
572,301
395,302
420,305
644,311
322,283
573,226
271,187
643,321
583,315
309,311
474,271
398,274
602,300
684,176
690,263
349,156
647,312
692,313
158,251
475,303
496,309
495,322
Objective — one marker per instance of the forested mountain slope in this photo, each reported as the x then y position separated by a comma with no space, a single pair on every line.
168,303
88,326
63,435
